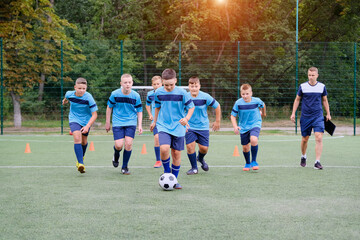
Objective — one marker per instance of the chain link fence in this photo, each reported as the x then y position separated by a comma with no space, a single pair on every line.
35,76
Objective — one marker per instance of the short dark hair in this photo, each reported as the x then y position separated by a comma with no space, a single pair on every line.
81,80
168,73
194,80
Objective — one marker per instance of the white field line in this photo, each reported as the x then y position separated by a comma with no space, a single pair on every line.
298,139
183,166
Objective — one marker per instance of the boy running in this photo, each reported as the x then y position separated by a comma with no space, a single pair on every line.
170,120
199,125
82,115
249,109
126,108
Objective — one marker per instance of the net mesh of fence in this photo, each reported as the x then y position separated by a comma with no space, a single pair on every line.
36,75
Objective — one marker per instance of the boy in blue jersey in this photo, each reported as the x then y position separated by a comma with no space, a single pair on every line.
83,113
250,110
170,121
126,109
198,131
150,108
312,93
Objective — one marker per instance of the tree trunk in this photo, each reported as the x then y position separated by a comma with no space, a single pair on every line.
17,110
41,88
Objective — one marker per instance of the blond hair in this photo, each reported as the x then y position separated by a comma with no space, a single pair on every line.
245,87
126,75
155,78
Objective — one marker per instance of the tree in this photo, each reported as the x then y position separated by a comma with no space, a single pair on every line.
32,46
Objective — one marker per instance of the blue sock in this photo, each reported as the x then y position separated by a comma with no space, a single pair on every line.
247,157
166,165
116,154
192,158
84,147
126,158
157,153
78,152
175,170
201,156
254,150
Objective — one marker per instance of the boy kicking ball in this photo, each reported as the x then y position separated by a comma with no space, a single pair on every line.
81,116
170,120
249,109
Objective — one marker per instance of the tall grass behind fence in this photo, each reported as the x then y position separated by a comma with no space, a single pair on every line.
270,67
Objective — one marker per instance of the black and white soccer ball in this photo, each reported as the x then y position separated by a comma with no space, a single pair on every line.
167,181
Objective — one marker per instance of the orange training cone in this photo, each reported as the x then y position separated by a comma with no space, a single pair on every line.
143,150
27,148
236,152
91,148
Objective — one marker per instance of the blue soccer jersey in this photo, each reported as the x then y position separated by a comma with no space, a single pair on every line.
172,108
248,113
81,108
311,106
150,101
199,120
125,108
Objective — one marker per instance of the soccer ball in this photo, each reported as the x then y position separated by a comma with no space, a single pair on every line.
167,181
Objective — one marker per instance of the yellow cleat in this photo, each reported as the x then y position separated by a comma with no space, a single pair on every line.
77,165
81,168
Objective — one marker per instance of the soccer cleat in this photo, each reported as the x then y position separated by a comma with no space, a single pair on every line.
125,171
158,164
77,165
254,165
318,166
81,168
303,162
204,165
178,186
247,167
192,171
115,163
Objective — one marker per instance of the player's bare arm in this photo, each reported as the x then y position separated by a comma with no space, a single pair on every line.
148,109
186,119
64,101
263,111
108,117
216,124
235,126
153,124
139,117
327,107
86,128
295,106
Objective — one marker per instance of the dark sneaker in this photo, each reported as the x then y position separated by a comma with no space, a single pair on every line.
192,171
115,163
204,165
125,171
178,186
318,166
303,162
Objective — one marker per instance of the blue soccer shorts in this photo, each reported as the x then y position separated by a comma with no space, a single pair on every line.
176,143
199,136
74,126
245,137
307,124
121,132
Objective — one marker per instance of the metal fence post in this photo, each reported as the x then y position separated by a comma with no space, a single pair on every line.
62,88
2,90
179,63
355,89
121,57
296,79
238,68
